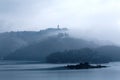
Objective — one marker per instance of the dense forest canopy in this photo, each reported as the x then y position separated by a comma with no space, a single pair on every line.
77,56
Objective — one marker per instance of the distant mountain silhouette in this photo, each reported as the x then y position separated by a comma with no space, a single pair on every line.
41,46
112,52
40,50
12,41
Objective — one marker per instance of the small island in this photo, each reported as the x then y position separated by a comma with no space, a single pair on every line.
85,65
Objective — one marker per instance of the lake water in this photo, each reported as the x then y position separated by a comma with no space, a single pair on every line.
17,71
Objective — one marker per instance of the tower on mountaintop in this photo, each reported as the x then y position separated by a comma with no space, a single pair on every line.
58,26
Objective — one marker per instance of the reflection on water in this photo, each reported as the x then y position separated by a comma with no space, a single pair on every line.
110,73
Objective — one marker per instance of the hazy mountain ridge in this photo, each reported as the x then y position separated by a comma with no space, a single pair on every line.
11,41
32,45
112,52
40,50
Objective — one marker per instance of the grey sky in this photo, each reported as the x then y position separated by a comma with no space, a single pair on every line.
85,18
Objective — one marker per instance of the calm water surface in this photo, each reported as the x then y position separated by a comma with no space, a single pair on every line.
14,71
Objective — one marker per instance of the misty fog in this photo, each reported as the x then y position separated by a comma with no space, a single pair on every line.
89,19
